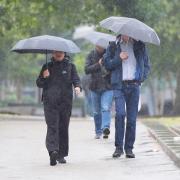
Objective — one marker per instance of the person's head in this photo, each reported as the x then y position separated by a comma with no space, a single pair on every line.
125,38
100,49
58,55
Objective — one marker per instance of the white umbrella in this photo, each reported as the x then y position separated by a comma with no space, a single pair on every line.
132,28
101,39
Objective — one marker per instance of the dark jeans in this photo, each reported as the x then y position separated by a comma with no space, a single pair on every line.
126,104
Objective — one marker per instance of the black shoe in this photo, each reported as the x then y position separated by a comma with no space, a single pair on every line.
61,160
130,154
105,136
118,152
53,158
106,132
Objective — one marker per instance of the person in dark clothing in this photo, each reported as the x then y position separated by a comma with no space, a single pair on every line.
101,92
56,78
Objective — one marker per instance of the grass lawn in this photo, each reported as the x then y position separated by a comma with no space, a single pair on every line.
168,121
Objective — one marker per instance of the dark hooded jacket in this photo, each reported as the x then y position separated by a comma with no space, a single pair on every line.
57,88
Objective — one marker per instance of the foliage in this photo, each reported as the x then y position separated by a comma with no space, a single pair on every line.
23,18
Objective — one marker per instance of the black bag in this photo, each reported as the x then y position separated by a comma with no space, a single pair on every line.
112,48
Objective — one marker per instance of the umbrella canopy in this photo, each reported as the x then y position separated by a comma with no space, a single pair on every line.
45,44
100,39
132,28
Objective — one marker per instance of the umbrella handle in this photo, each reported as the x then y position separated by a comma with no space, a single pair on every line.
46,60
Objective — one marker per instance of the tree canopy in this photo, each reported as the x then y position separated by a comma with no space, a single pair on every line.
23,18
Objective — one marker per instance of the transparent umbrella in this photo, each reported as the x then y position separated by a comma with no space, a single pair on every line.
101,39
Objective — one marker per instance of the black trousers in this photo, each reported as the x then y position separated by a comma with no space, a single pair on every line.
57,120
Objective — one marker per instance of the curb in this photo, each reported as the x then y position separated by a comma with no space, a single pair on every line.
165,147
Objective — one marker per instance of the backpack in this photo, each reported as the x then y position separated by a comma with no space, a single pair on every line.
112,48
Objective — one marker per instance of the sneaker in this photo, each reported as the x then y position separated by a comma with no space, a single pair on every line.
106,133
53,158
118,152
61,160
130,154
105,136
97,136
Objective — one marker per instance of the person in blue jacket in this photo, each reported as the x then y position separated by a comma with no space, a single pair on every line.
128,62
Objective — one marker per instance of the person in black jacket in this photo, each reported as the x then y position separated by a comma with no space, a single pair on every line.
56,78
101,91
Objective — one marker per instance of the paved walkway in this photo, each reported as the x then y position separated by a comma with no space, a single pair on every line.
23,155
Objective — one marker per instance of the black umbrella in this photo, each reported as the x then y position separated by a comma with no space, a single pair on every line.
45,44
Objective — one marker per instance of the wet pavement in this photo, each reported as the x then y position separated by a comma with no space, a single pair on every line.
23,155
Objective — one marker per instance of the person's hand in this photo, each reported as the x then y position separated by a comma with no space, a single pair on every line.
123,55
100,61
46,73
77,90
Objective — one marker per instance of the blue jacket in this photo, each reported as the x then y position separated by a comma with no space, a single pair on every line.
114,64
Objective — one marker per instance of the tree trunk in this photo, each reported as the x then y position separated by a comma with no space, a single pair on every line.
153,97
19,91
169,78
176,110
2,91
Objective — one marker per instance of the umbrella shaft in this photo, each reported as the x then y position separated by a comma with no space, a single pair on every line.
46,60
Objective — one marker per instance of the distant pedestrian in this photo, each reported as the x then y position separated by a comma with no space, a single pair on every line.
101,91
